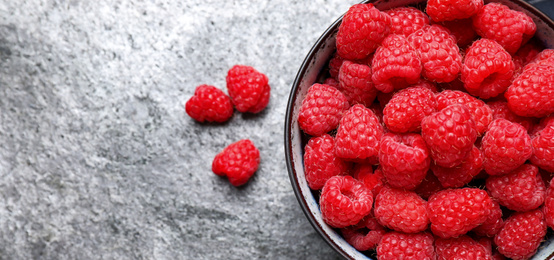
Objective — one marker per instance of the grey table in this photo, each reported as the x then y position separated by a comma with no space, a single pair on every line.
98,158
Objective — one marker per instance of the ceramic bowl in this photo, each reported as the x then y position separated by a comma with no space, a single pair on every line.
311,72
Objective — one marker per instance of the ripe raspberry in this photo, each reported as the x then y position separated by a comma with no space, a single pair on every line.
440,56
238,161
320,162
532,92
461,30
406,20
334,65
548,208
500,109
487,69
505,147
362,29
365,235
454,212
248,89
321,109
463,247
384,98
331,82
546,56
452,9
396,63
462,174
543,146
397,245
404,159
429,186
401,210
209,104
521,235
493,224
355,83
509,28
526,54
407,108
372,180
480,112
344,201
358,135
449,134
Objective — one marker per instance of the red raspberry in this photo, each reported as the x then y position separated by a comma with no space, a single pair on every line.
321,109
449,134
543,146
362,29
238,161
480,112
320,162
526,54
463,247
532,92
398,245
396,63
332,82
384,98
493,224
510,28
440,56
505,147
355,83
454,212
404,160
461,30
487,69
209,104
401,210
462,174
521,235
334,65
344,201
546,56
358,135
429,186
404,112
519,190
372,180
548,208
365,235
248,89
448,10
500,109
406,20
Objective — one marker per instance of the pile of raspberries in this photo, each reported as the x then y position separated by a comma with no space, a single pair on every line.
431,134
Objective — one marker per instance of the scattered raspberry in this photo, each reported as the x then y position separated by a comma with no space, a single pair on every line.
454,212
510,28
321,109
462,174
480,112
404,159
209,104
363,172
532,92
448,10
365,235
429,186
362,29
461,30
397,245
406,20
334,66
500,109
505,147
493,224
487,69
463,247
355,83
358,135
548,208
407,108
238,161
320,162
449,134
248,89
440,56
521,235
543,146
401,210
344,201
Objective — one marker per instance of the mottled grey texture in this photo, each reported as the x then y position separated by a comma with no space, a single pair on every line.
98,158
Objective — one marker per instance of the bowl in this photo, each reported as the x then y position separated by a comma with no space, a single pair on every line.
312,71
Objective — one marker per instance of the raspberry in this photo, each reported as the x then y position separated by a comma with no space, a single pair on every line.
519,190
320,162
454,212
440,56
404,160
344,201
248,89
500,109
407,108
462,174
358,135
334,65
331,82
480,112
365,235
429,186
401,210
509,28
505,147
447,10
521,235
362,29
396,63
487,69
209,104
546,56
321,109
532,92
525,54
384,98
449,134
493,224
372,180
355,83
406,20
397,245
543,146
463,247
548,208
238,161
461,30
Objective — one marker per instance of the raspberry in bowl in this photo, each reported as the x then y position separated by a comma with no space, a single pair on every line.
402,120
